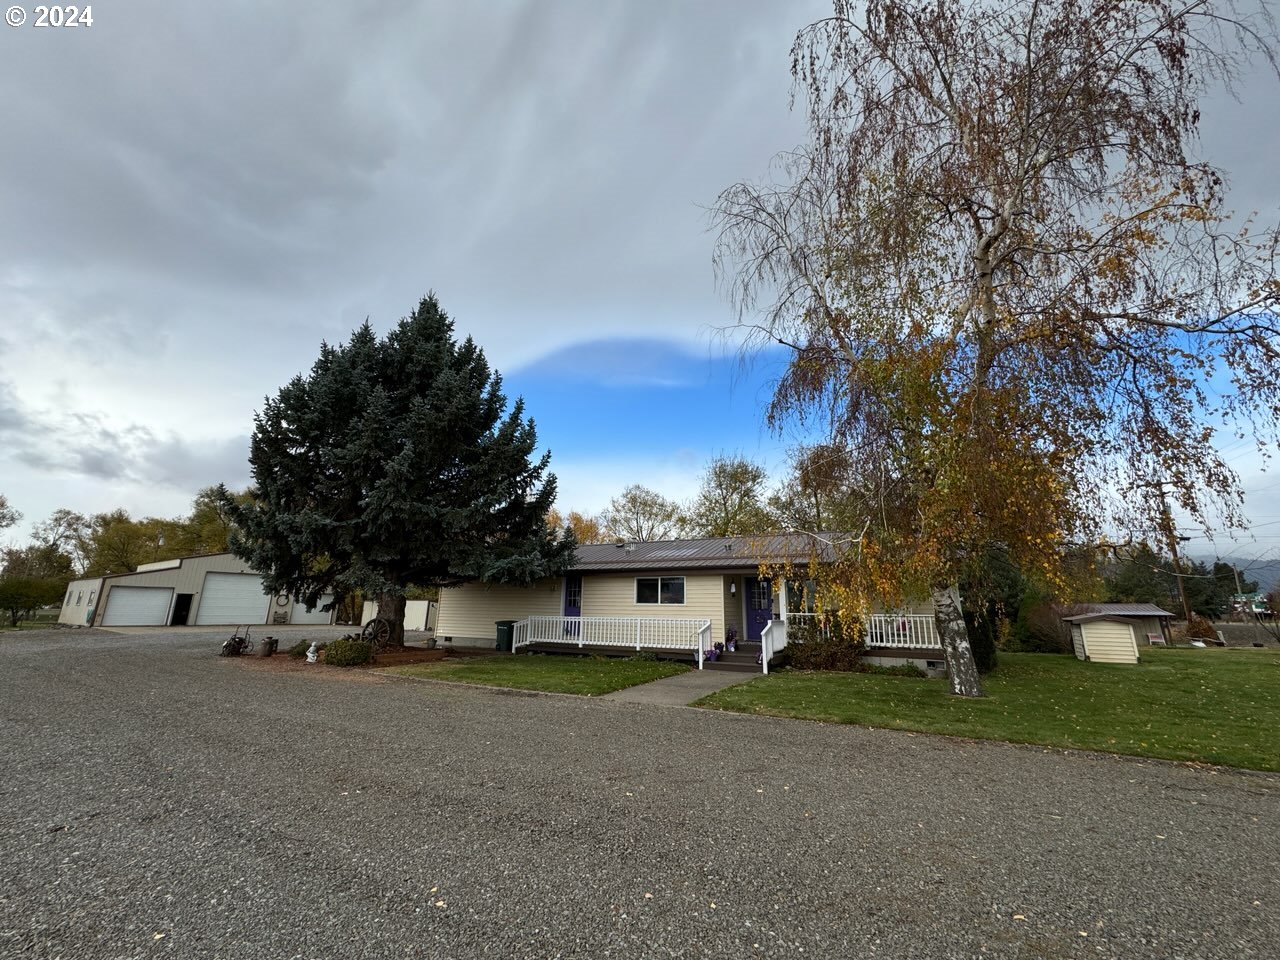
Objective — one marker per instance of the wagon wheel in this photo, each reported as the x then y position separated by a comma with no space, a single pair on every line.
377,632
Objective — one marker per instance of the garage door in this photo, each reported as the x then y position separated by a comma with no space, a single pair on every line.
318,615
232,598
137,607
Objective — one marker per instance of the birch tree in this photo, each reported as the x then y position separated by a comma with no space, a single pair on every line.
1012,289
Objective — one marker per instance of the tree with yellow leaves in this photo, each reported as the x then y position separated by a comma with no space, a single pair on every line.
1014,297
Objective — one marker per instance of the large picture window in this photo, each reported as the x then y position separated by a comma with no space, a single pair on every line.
660,590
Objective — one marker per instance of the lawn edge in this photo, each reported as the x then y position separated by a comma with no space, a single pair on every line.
385,672
1087,752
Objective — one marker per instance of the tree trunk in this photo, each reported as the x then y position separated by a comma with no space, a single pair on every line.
391,607
947,616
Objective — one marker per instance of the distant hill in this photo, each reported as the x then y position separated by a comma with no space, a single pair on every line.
1267,574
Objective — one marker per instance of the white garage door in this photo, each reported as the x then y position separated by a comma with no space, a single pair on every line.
232,598
137,607
318,615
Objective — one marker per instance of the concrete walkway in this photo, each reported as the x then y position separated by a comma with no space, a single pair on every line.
682,689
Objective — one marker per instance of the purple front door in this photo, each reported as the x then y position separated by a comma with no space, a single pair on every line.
572,605
573,596
758,596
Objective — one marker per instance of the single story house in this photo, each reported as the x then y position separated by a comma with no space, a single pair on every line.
675,596
1112,632
205,590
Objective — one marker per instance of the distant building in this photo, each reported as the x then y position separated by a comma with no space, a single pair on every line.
1250,603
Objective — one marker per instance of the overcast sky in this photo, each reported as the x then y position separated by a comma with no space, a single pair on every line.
197,194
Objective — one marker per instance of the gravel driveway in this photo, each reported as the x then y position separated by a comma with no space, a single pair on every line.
161,802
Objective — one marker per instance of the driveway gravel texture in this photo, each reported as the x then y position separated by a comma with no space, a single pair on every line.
159,801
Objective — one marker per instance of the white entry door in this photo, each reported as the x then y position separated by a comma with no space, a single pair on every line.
232,598
137,607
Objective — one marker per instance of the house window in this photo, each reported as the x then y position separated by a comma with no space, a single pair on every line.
67,602
761,595
79,597
573,593
662,590
92,595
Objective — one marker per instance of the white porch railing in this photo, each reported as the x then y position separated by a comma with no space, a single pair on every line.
642,633
903,630
773,639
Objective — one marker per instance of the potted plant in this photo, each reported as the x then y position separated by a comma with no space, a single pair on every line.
731,639
713,654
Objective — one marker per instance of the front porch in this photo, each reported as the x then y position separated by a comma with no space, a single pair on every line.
893,636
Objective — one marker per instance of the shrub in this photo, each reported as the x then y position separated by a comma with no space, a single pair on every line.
299,649
1039,627
1200,628
982,628
804,630
348,653
832,652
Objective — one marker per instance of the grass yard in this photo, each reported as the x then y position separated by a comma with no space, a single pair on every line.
588,676
42,620
1215,706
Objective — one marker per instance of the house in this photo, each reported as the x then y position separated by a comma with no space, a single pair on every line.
204,590
1112,632
680,597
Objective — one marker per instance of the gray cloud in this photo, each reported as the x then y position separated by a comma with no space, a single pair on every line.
93,446
197,194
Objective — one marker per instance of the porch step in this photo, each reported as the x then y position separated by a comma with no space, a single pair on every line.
732,666
742,660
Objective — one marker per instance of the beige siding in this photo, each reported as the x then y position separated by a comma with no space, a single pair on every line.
1145,626
79,601
188,577
1107,641
614,595
470,611
732,614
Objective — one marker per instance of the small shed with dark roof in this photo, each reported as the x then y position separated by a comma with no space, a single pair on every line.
1112,632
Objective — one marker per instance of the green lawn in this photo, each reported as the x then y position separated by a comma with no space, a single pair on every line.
1215,706
44,620
589,676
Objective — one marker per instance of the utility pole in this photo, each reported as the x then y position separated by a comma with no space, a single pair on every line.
1239,593
1167,522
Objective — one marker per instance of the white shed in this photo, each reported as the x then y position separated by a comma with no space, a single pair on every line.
1104,638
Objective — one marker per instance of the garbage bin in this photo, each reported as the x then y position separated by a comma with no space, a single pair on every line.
505,630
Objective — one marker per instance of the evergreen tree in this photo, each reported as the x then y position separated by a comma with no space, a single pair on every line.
393,465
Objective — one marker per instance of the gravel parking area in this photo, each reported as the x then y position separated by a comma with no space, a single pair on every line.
161,802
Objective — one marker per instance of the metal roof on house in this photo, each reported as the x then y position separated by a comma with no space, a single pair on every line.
1118,610
716,552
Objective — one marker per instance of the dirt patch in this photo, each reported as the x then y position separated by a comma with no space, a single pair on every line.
405,656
